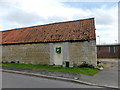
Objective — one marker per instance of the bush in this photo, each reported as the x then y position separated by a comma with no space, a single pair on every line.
12,62
98,62
85,64
4,62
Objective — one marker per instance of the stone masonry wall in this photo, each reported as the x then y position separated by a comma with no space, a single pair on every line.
83,51
40,53
27,53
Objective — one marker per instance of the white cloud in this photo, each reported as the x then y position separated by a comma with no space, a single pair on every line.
107,22
21,13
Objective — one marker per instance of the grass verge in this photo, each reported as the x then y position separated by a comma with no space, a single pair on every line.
0,64
83,70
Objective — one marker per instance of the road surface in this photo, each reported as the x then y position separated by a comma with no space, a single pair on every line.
11,80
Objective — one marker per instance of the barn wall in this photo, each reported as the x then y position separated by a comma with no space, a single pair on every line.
44,53
58,59
0,53
104,51
0,47
28,53
83,51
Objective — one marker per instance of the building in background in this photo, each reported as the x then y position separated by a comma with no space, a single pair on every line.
108,51
65,43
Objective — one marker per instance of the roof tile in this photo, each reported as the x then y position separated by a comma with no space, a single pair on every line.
66,31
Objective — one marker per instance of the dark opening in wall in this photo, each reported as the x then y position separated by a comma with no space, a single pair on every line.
67,64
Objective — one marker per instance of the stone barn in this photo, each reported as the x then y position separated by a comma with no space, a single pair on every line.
64,43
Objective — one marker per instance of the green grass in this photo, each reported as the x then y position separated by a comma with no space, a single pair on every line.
83,70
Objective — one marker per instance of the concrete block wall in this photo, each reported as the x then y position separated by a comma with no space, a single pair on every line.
83,51
27,53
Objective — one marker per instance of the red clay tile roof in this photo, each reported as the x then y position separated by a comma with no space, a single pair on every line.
64,31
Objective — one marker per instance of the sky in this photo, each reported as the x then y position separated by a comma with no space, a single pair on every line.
26,13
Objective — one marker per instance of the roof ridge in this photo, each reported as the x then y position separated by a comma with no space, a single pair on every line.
48,24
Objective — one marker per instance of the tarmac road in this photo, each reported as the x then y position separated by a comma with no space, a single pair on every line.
12,80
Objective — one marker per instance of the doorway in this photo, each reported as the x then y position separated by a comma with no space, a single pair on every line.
58,54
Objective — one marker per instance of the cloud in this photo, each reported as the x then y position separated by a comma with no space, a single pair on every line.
23,17
22,13
52,19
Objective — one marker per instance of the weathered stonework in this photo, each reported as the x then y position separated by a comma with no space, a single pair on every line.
27,53
83,51
45,53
